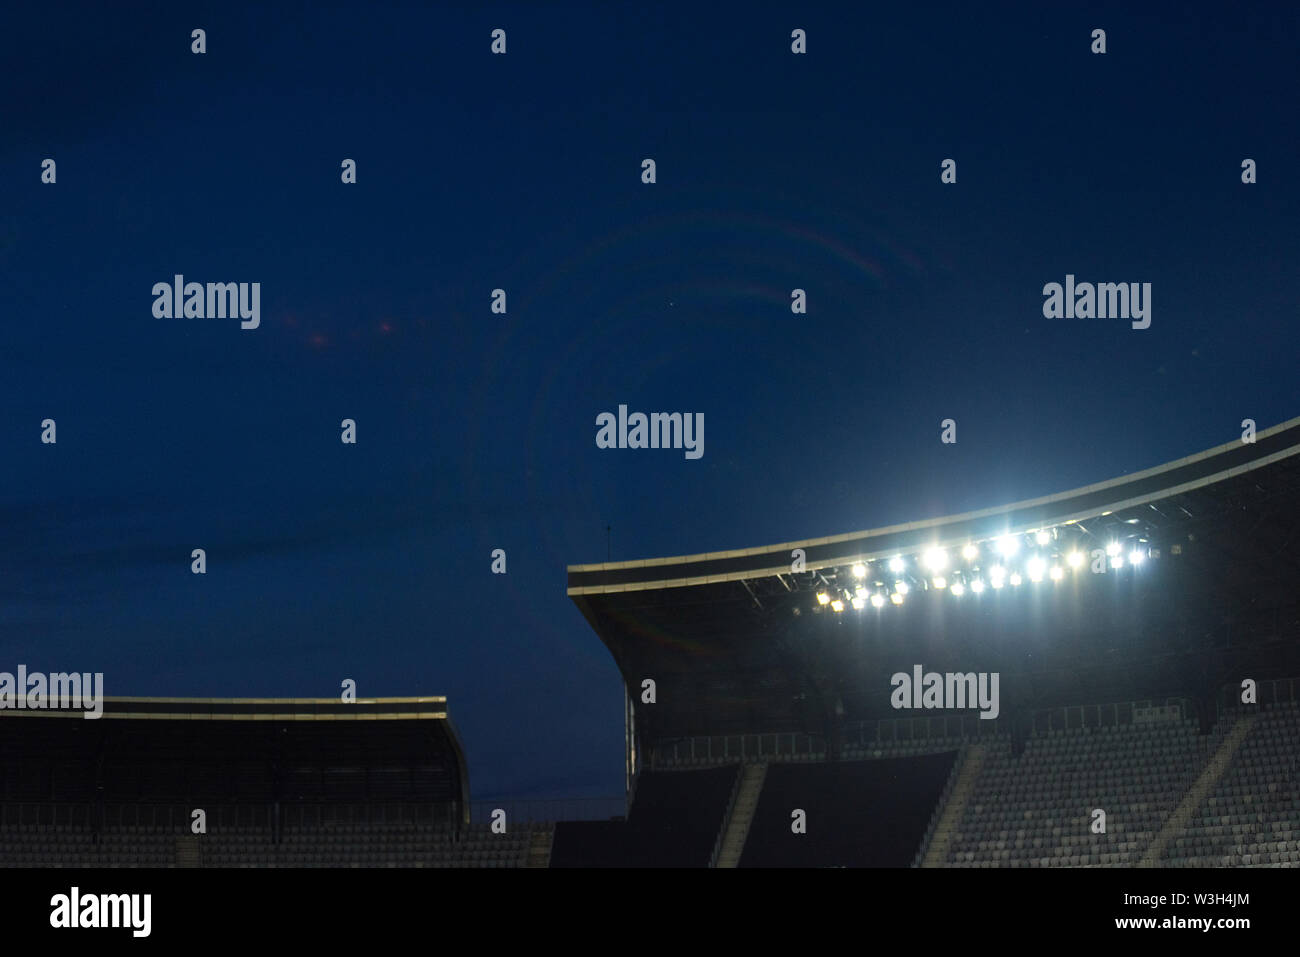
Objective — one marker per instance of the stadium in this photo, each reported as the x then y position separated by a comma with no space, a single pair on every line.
1105,677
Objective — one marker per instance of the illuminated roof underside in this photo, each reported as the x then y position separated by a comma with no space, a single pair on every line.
1189,558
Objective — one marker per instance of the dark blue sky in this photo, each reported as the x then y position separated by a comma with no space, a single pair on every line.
522,171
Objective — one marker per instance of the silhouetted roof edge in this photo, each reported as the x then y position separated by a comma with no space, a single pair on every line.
1270,445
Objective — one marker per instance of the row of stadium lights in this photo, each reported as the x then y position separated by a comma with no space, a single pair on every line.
935,561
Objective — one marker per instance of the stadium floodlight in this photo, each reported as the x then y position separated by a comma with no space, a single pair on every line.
837,605
896,598
1043,536
1015,579
957,589
940,582
1035,566
1135,557
977,585
896,564
997,571
935,559
878,600
970,553
1117,561
859,570
902,587
1075,558
1113,549
1057,573
823,598
859,603
1008,545
860,591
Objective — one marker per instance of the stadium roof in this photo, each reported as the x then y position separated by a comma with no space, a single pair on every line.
741,635
236,750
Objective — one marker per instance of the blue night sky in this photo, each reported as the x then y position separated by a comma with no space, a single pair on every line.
477,431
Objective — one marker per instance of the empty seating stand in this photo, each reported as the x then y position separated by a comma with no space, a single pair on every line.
343,845
1037,810
1252,817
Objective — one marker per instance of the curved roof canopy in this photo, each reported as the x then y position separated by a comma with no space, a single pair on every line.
752,639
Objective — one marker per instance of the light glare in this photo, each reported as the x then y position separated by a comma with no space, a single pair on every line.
935,559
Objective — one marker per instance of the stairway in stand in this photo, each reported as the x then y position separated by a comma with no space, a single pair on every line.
742,814
936,855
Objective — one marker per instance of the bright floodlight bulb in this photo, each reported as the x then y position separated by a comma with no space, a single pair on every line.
878,600
902,587
1075,558
940,582
1057,573
1135,557
860,591
1008,545
859,603
896,564
1043,537
957,589
1113,549
837,605
1015,578
970,553
896,598
1117,561
859,570
935,559
977,585
1036,566
823,598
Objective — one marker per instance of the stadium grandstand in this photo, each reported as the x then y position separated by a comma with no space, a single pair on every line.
279,783
1105,677
832,702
